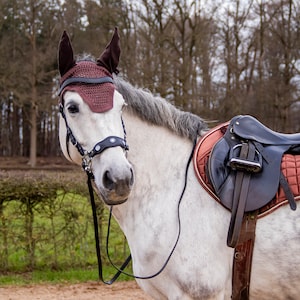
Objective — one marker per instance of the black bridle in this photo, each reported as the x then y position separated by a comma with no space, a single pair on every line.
111,141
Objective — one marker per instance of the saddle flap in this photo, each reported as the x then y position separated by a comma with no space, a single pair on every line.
217,165
263,185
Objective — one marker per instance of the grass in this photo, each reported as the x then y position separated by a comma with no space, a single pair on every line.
63,276
46,227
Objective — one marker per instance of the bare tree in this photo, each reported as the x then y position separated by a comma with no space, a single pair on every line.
278,51
233,57
235,31
284,54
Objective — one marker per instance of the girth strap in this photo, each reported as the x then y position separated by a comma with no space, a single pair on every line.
242,259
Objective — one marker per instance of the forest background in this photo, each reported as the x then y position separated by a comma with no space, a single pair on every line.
214,58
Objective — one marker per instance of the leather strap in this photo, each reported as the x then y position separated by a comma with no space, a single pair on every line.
74,80
287,190
242,182
97,241
109,142
242,259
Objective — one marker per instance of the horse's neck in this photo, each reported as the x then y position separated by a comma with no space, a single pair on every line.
156,151
151,142
151,216
159,158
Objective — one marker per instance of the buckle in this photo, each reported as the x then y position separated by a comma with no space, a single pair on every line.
242,164
87,163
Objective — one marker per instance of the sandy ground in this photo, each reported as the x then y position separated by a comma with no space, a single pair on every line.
81,291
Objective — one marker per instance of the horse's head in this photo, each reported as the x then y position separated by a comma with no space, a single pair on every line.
91,129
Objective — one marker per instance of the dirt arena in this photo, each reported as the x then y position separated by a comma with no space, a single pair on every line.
82,291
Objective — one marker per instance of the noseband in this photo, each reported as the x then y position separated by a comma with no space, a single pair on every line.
109,142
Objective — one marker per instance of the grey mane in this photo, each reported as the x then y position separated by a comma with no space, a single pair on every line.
158,111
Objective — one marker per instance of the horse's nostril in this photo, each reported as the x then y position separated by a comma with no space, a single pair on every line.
132,177
118,184
108,181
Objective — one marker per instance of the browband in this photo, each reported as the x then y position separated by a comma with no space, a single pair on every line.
72,80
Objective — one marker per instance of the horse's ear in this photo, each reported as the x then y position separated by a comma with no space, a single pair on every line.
65,54
109,59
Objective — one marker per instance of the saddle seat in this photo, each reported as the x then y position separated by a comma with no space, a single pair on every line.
289,166
251,129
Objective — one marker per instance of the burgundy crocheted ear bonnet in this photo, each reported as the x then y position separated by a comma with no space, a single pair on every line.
85,79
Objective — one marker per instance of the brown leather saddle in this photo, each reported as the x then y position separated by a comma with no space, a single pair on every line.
244,168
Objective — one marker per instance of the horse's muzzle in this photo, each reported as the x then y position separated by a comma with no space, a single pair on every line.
116,189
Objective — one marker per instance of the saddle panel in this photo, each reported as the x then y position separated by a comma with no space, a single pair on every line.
217,166
290,167
201,156
250,128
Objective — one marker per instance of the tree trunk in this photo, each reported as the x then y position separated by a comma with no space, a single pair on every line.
34,107
30,241
33,132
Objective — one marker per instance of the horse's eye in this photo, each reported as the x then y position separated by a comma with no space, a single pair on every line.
73,108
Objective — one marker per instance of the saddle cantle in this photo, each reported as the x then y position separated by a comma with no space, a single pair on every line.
250,128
